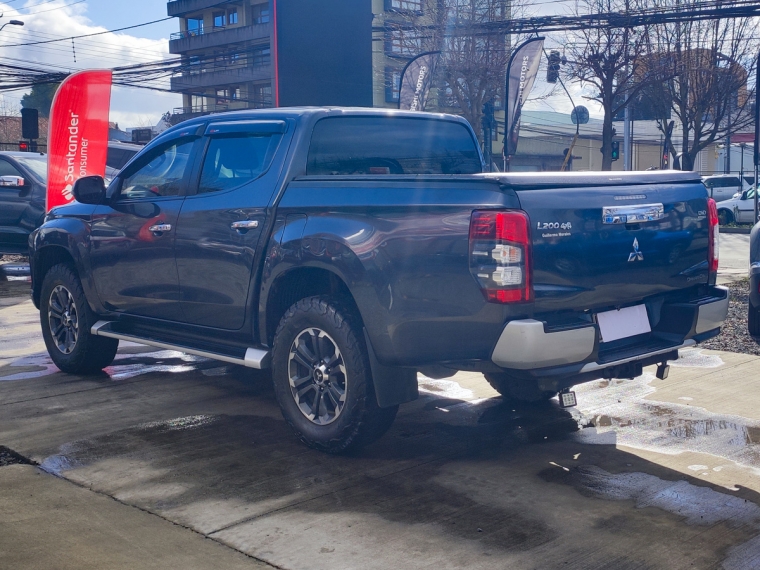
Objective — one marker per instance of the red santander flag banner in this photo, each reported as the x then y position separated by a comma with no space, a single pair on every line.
78,135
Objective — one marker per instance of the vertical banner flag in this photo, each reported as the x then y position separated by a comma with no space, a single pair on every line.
416,80
78,135
521,73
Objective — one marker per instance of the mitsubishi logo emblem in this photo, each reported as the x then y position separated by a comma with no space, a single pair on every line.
636,255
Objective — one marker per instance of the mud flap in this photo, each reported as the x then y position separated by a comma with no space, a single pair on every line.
393,385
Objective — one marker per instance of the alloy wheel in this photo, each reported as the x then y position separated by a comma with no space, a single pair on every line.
63,319
317,375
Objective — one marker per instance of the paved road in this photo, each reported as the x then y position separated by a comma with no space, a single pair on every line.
734,257
644,474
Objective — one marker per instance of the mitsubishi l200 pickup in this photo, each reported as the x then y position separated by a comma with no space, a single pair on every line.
348,249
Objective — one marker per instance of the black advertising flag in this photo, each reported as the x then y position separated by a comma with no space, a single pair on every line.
521,73
416,80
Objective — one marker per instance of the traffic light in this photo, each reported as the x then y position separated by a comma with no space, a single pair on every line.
30,125
615,150
552,70
23,146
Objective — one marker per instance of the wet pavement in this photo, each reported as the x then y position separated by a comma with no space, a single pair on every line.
643,474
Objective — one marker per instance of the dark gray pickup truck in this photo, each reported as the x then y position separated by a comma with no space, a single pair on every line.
348,249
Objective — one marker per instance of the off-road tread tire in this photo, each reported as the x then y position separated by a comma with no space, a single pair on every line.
753,320
92,353
362,421
517,389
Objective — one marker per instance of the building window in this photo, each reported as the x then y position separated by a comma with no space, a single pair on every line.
262,96
194,26
404,5
232,16
392,85
401,43
261,57
261,13
222,96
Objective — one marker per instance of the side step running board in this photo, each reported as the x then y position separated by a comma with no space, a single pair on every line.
254,357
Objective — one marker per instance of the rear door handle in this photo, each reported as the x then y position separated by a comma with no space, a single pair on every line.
245,225
160,228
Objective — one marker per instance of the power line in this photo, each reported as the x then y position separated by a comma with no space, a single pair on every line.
68,38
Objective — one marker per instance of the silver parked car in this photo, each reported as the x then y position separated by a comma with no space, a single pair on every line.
740,209
723,186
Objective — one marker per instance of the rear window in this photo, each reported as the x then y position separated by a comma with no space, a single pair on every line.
382,145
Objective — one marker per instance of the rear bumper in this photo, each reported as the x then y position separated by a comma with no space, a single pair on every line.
561,358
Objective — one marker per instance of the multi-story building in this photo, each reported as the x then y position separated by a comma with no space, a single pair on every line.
226,53
262,53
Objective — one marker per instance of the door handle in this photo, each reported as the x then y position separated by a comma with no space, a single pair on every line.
245,225
160,228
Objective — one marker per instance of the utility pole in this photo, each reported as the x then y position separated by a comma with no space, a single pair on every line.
627,131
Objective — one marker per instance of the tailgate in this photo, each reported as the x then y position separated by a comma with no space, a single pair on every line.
610,246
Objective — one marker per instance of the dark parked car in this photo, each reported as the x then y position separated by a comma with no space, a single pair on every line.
349,248
22,199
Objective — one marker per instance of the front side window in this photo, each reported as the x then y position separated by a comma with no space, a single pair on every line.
385,145
159,173
233,161
7,169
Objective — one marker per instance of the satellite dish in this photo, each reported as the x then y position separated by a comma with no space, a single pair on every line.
579,116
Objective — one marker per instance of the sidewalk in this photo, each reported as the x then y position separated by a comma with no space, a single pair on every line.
49,523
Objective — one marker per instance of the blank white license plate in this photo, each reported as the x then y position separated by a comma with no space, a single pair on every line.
614,325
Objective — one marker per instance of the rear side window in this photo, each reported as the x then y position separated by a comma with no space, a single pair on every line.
235,160
118,157
382,145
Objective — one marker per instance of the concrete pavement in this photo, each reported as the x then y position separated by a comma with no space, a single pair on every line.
734,257
47,522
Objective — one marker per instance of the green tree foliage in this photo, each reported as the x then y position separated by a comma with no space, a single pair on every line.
40,98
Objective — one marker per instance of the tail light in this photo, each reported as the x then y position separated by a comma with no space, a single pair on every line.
713,250
500,255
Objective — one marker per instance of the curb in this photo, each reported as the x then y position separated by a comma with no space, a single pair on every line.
735,230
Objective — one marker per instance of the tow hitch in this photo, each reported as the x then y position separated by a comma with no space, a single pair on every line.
567,399
663,369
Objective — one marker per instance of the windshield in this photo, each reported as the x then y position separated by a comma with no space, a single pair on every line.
37,164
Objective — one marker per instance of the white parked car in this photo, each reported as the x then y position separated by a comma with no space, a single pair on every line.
724,186
740,209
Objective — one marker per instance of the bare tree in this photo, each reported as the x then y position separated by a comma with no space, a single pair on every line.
611,60
710,64
473,61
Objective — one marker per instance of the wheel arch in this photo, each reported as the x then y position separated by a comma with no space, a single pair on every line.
298,283
44,260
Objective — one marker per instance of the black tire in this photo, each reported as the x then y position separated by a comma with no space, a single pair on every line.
753,320
63,307
518,389
344,410
725,217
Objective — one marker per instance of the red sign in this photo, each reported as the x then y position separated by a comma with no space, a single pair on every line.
78,137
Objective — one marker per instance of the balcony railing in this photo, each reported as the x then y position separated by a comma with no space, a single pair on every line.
196,32
216,36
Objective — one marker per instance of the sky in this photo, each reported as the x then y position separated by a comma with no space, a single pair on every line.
52,19
130,107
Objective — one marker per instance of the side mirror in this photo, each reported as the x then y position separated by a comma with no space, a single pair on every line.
89,190
11,181
744,195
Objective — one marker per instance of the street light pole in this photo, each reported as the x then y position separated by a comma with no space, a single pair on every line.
11,23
